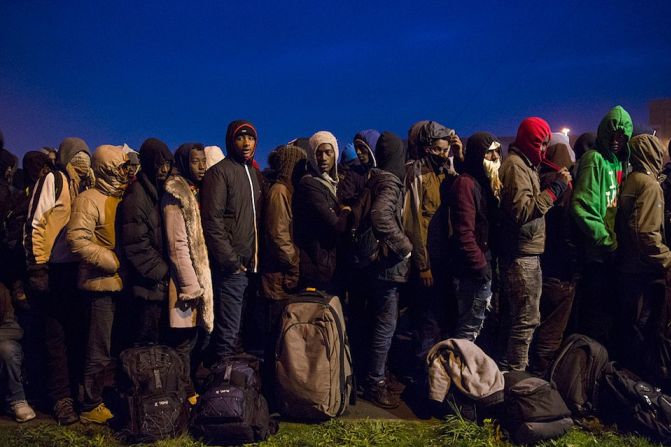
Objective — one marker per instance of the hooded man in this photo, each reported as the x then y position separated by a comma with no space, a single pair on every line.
318,217
230,197
355,176
52,273
644,259
523,208
141,246
584,143
390,267
91,236
558,264
593,208
426,224
473,208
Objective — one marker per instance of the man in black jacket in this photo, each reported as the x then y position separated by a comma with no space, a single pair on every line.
141,239
229,205
391,265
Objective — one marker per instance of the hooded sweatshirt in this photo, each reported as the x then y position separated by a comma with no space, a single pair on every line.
141,245
91,229
640,214
50,206
600,173
472,206
281,261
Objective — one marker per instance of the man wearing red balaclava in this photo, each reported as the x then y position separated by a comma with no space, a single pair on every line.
523,208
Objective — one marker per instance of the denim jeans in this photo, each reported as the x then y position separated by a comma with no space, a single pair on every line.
229,293
521,280
473,297
555,308
383,310
98,359
11,382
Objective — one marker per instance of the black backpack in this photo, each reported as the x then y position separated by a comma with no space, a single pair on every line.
576,372
231,410
534,409
635,405
154,389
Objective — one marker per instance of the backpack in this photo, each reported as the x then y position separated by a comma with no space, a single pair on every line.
313,364
154,383
576,372
534,409
231,410
635,405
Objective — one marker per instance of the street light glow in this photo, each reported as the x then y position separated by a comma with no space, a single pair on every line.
565,131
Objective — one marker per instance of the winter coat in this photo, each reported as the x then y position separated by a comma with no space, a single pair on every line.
187,252
426,222
49,209
386,210
354,177
230,196
640,215
91,232
463,364
523,207
141,245
595,196
281,255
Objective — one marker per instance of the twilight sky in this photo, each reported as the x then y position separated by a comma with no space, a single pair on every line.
122,71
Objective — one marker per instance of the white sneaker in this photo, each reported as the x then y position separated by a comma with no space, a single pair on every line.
22,411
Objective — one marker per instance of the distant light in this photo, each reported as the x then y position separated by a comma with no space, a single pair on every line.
565,131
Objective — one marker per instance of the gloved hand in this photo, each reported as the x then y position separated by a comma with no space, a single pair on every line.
426,277
38,278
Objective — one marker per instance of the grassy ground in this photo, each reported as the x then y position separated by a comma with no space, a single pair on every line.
370,432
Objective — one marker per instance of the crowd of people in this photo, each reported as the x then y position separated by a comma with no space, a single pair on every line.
104,249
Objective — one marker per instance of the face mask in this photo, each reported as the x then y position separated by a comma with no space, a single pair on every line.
81,162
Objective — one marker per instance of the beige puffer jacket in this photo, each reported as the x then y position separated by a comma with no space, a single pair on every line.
90,232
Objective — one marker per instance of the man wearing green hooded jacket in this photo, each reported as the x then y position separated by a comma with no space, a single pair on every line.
593,207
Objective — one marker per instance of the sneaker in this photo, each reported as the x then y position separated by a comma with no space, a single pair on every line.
22,411
99,415
380,396
64,411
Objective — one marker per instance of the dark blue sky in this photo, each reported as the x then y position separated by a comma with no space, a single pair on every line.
115,72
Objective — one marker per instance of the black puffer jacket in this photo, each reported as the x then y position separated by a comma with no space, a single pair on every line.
230,202
387,194
140,245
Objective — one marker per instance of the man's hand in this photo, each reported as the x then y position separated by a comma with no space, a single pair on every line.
427,278
456,147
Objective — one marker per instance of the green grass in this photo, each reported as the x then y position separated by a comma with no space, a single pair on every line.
362,433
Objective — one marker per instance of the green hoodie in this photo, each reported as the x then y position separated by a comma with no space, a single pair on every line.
594,202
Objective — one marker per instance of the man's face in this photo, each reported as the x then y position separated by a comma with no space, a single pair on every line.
245,145
362,153
198,164
164,171
492,155
617,141
440,148
325,156
544,145
52,156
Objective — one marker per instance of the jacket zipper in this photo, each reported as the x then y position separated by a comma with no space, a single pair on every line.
256,238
